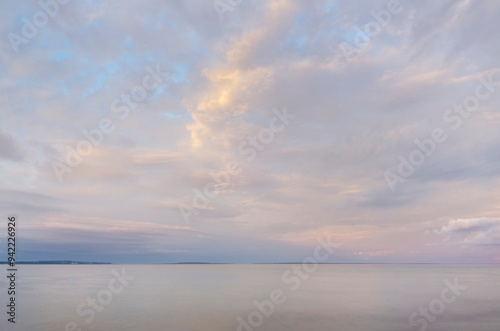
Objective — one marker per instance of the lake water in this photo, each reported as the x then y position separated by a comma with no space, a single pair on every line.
213,297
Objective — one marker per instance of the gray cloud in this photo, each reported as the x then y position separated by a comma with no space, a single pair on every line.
9,148
473,231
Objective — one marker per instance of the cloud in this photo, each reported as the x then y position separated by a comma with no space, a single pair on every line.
471,231
9,149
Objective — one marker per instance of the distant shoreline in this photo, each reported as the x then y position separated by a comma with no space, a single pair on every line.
55,262
65,262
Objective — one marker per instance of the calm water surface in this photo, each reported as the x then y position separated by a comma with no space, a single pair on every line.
213,297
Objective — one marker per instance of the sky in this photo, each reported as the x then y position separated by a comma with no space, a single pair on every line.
245,131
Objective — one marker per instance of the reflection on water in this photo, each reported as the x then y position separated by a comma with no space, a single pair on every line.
213,297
